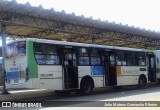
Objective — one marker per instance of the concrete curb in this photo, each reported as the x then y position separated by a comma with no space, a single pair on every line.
23,95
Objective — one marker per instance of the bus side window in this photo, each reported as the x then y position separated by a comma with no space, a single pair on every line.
120,58
130,58
95,57
46,54
140,59
83,56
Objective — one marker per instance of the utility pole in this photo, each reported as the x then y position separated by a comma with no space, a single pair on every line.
3,31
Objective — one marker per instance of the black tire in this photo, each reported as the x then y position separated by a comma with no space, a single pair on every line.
62,92
86,87
142,82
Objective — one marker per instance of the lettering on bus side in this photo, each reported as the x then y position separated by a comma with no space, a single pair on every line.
130,71
127,71
14,69
46,75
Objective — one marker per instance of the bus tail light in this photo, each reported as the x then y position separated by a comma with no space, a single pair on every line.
27,73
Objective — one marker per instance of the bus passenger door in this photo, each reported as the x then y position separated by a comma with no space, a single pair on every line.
151,64
70,68
110,69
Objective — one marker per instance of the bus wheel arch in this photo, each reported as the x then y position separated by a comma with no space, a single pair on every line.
86,85
142,81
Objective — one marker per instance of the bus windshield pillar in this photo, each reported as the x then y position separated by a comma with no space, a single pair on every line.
3,32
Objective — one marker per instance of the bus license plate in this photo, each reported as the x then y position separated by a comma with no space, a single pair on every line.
16,81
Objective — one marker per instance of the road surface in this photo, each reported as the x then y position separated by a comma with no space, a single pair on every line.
148,94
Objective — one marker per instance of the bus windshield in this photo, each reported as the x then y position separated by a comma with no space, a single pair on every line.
16,49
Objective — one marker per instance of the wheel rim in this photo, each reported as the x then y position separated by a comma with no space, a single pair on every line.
86,87
142,83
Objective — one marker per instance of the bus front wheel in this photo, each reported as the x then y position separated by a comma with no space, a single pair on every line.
142,82
86,87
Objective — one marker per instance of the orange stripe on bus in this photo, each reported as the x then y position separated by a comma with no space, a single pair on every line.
118,70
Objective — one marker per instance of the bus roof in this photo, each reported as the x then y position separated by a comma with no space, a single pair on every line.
78,44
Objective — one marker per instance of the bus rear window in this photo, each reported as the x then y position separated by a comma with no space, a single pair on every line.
16,49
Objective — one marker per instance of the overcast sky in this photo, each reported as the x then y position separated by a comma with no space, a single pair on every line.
140,13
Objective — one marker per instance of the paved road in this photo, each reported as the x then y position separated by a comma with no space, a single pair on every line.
148,94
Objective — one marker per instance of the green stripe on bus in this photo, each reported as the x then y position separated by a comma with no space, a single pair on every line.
31,61
149,51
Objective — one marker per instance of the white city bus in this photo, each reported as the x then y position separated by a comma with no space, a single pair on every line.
60,65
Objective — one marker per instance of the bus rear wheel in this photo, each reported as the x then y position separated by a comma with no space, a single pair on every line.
86,87
142,82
